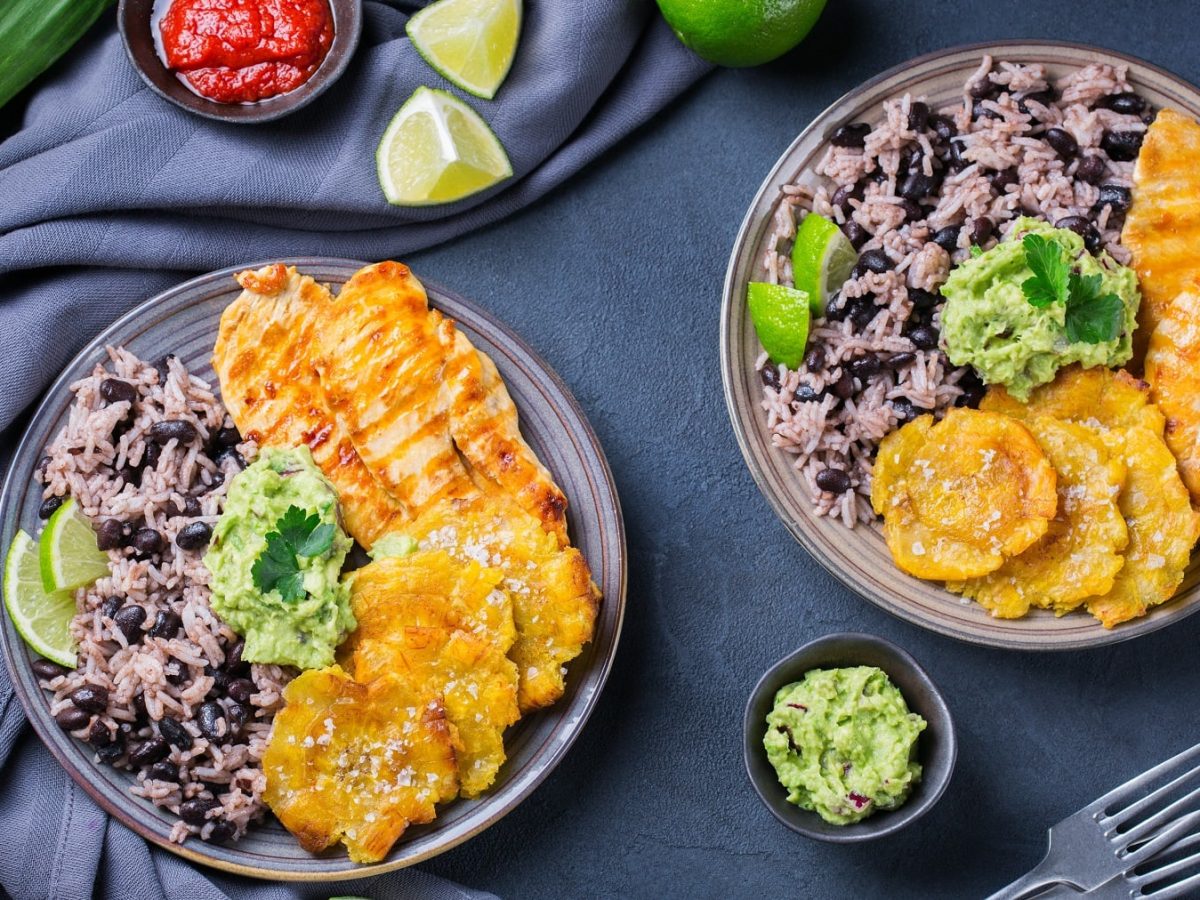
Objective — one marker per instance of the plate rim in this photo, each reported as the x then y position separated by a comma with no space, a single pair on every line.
896,607
601,668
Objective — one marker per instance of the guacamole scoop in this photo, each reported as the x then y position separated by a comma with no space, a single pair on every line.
301,632
990,325
842,743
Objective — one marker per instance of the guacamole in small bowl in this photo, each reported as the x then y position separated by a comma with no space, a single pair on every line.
843,743
276,560
990,323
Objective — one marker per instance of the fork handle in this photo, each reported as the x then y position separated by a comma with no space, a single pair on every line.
1031,883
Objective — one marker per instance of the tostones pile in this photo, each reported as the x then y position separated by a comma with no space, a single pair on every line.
1081,498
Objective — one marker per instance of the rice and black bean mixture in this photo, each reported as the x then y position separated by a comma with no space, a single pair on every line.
160,687
914,194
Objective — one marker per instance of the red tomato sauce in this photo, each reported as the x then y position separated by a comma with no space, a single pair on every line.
241,51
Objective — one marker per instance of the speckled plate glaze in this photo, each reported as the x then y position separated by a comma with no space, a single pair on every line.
184,321
859,558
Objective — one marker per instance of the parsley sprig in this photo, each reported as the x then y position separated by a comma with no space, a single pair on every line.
1092,317
296,534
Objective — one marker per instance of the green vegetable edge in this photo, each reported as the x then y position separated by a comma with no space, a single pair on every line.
35,33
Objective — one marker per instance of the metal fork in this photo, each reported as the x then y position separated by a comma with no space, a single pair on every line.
1100,846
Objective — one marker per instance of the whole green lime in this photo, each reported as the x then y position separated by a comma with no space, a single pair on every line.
741,32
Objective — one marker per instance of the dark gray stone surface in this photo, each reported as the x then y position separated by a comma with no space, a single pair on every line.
616,281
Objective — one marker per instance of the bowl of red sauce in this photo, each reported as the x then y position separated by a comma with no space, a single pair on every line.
240,60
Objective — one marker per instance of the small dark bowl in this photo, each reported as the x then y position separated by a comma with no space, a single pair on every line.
134,18
937,746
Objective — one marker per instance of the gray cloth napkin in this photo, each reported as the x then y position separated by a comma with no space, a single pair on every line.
109,194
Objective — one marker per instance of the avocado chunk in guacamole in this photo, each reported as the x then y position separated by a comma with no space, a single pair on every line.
843,742
988,322
301,632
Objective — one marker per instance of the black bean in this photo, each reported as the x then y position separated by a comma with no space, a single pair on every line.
814,359
899,360
160,366
1121,146
216,479
175,734
72,718
1083,227
49,505
863,367
173,429
912,212
113,390
910,160
980,111
943,127
139,704
148,752
176,672
90,698
873,261
955,159
129,619
862,312
230,455
1003,179
164,770
981,230
769,375
1045,98
922,300
1149,116
211,719
917,186
1061,142
985,89
151,457
110,606
46,670
835,481
233,657
241,689
221,679
220,832
843,195
226,438
806,394
837,309
130,475
166,624
843,388
852,135
947,238
110,535
918,116
924,338
99,735
903,409
42,465
972,390
1116,196
856,234
238,713
1091,169
1127,103
195,811
147,541
111,753
194,536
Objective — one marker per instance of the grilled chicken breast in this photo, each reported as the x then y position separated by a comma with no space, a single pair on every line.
263,358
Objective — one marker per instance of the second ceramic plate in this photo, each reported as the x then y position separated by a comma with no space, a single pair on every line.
859,558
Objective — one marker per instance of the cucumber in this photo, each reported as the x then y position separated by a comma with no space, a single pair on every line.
35,33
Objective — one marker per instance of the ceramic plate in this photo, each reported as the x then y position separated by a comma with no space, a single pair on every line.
184,321
859,558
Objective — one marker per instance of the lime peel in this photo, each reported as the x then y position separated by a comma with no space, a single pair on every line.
470,43
822,259
43,619
67,553
781,316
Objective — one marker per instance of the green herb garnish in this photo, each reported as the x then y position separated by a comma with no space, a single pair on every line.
296,534
976,251
1091,317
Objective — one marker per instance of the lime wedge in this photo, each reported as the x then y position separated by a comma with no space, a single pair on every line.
471,43
780,315
822,258
438,150
67,551
42,619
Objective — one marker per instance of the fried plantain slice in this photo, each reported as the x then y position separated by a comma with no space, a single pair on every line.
357,762
554,598
1163,527
1098,397
1080,554
975,490
1162,228
1173,371
443,626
